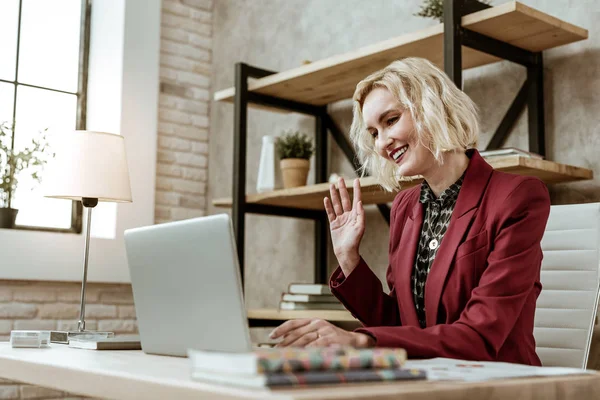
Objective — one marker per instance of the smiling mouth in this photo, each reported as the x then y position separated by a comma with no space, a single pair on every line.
398,153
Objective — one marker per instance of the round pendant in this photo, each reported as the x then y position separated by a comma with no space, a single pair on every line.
434,244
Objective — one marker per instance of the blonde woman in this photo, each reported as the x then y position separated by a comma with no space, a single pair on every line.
464,250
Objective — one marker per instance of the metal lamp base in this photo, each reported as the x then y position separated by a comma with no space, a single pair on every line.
63,337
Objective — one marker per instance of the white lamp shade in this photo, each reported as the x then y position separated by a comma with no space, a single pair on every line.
88,164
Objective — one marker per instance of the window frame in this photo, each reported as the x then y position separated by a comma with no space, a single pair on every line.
81,114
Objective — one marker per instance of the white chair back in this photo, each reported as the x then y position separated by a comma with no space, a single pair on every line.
567,306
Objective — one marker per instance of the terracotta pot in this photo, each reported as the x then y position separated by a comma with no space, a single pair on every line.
294,172
7,218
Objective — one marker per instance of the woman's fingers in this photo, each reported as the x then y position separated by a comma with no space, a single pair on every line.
335,200
357,195
288,326
346,205
329,209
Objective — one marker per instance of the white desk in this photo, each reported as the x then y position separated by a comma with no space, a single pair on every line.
135,375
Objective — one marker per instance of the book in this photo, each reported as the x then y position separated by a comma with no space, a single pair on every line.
289,305
113,343
309,298
296,359
509,151
308,288
310,378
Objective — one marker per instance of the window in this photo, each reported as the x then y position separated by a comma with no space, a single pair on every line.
43,79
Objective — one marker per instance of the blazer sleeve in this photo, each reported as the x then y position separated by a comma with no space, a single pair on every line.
362,293
496,303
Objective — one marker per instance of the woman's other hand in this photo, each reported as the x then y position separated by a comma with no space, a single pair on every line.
346,223
311,332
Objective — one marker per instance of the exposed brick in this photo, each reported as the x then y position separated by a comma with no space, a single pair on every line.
176,8
117,298
9,392
34,295
174,88
177,103
185,50
37,392
179,214
5,295
199,41
177,35
168,170
174,143
59,311
127,312
200,147
5,326
100,311
199,121
17,310
189,201
201,16
191,159
162,212
170,20
185,64
166,157
194,174
35,325
180,185
71,325
199,94
73,295
201,4
118,326
167,198
175,116
183,131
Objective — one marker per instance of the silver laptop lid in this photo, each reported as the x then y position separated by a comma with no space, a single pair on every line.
186,286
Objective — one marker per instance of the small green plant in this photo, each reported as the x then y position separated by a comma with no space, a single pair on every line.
31,158
294,145
435,9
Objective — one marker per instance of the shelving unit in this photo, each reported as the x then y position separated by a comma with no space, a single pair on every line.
473,34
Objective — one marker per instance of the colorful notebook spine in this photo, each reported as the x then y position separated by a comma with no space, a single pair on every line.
341,359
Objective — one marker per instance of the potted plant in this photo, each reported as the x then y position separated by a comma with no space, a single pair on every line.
435,8
294,150
29,159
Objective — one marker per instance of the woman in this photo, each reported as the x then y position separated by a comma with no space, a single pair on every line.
464,251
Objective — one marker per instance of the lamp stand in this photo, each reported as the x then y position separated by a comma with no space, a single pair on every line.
63,336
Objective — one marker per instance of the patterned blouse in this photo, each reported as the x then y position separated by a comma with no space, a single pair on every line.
435,222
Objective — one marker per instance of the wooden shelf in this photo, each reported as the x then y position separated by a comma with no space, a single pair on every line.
335,78
311,197
275,314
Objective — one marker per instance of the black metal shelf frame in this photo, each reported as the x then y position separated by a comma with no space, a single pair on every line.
455,36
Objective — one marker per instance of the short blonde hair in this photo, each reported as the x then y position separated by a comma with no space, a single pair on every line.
445,118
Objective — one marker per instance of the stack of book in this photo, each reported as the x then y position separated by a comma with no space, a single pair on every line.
309,296
509,151
293,366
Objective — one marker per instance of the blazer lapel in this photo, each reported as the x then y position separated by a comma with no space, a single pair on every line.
474,184
408,250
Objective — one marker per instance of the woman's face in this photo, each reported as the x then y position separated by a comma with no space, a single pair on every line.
395,137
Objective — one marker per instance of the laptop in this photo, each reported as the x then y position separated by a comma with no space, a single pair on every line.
186,287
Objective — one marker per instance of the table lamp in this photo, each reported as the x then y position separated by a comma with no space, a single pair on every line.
88,167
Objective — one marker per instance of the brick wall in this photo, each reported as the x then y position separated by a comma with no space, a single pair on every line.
185,64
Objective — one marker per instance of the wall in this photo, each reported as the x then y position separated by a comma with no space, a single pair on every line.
281,35
181,175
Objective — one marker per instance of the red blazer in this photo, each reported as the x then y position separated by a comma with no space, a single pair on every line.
481,292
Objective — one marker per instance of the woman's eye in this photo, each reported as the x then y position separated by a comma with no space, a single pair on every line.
374,134
392,120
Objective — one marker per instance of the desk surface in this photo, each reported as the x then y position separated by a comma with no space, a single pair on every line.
135,375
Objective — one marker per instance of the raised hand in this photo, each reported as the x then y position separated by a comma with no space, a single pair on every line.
346,223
